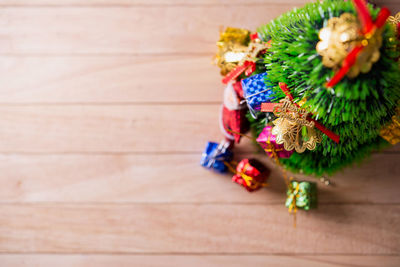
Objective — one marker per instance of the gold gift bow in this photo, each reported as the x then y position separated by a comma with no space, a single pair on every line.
270,148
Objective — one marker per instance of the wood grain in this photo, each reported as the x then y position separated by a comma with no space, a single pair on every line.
46,260
111,128
105,108
122,30
96,3
177,178
216,228
111,79
108,128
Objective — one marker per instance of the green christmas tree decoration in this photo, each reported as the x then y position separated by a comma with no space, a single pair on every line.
356,108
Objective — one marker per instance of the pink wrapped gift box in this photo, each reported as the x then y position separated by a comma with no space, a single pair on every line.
268,142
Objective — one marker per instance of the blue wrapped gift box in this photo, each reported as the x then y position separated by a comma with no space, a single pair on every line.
256,92
215,155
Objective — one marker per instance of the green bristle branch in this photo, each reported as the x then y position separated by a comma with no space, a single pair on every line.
355,109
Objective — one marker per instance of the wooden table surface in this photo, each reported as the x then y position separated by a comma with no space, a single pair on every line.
105,108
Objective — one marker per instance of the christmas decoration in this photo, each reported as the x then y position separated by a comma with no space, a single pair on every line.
247,64
395,22
293,130
234,113
353,108
268,142
341,36
256,92
391,132
301,195
349,47
232,47
215,156
321,84
251,174
291,120
364,52
234,121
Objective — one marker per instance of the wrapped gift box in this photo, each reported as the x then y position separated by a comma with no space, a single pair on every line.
256,92
268,142
301,195
251,174
215,155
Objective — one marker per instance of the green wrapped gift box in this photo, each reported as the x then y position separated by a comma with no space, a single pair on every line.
301,195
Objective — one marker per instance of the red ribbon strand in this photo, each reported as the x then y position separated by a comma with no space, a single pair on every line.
248,67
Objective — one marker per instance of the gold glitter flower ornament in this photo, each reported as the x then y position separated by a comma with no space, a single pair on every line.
340,37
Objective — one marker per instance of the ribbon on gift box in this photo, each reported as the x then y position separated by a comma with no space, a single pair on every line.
270,107
293,197
256,92
250,182
301,194
248,174
267,140
248,67
215,155
272,149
